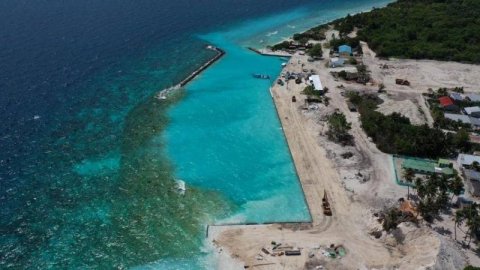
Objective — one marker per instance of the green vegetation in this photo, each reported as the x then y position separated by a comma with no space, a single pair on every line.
408,175
433,194
338,128
396,135
444,123
461,140
391,219
352,42
361,76
471,217
316,33
432,198
315,51
284,45
471,268
309,91
393,216
420,29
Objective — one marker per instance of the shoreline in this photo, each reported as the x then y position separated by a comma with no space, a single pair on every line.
295,164
353,203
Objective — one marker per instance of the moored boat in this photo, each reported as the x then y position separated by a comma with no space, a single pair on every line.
261,76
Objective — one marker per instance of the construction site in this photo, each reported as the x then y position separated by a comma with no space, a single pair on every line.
347,187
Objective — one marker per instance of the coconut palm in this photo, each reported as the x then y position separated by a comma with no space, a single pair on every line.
420,187
459,218
472,221
455,185
408,176
470,216
417,182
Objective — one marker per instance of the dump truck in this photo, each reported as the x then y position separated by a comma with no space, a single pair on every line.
327,211
402,82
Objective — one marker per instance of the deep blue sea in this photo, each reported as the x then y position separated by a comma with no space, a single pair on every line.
88,155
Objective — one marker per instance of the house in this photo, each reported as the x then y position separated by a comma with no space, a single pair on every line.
473,97
457,96
316,83
425,166
447,104
465,160
458,117
345,50
337,62
473,181
472,111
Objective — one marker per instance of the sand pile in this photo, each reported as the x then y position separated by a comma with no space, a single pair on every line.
406,108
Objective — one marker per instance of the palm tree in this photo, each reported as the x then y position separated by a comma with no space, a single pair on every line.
472,221
408,175
471,217
459,218
432,184
417,182
455,185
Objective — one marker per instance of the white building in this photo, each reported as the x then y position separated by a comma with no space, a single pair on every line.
472,111
473,97
337,62
315,81
467,160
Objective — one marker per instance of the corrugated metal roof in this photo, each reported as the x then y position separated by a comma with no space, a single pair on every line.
457,96
471,110
473,97
465,159
458,117
344,48
475,121
315,80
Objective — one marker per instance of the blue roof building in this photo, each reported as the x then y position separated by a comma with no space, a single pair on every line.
345,50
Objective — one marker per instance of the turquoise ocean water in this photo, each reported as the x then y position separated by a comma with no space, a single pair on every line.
225,134
89,154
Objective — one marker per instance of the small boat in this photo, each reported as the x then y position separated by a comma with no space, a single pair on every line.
261,76
180,186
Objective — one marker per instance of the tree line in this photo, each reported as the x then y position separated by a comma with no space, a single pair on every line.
420,29
395,134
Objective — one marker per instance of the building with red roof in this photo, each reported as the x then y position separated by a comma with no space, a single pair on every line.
448,104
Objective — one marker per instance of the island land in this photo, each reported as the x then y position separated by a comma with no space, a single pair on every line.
358,180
